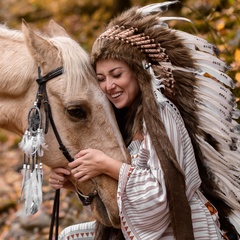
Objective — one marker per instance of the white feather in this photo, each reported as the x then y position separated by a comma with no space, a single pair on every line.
218,163
155,7
36,192
220,76
28,197
164,19
222,130
209,59
235,220
196,43
40,142
24,140
221,108
216,89
23,173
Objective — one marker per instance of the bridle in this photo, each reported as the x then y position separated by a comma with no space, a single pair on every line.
42,97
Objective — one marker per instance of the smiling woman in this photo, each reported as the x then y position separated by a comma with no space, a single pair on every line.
118,82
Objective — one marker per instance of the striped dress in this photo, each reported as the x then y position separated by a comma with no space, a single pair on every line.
142,199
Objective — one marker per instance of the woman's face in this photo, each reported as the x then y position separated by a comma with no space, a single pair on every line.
117,81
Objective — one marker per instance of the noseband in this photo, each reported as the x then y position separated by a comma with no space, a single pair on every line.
42,97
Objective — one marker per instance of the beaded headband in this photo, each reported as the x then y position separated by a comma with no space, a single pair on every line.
155,53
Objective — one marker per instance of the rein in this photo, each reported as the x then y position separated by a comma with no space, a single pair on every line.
42,97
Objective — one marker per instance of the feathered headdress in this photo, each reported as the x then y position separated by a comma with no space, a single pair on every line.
194,79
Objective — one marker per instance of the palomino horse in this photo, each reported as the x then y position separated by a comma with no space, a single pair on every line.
81,112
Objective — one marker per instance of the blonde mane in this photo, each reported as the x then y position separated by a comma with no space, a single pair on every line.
6,33
76,63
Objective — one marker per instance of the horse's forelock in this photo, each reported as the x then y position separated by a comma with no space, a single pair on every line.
76,63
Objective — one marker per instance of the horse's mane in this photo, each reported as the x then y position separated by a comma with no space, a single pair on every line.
7,33
76,63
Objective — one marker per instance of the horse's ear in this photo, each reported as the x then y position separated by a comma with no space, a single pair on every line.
41,50
55,30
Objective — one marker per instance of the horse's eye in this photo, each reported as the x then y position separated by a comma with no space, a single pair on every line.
77,112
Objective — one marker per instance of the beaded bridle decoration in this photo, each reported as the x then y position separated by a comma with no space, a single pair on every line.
155,53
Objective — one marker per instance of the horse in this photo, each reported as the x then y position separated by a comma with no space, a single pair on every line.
81,112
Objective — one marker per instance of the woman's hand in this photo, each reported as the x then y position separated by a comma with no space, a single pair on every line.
58,179
90,163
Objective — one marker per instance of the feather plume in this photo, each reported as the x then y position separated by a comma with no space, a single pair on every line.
156,7
227,189
216,89
32,193
235,219
27,196
40,142
220,76
196,43
164,19
218,107
24,140
23,173
211,60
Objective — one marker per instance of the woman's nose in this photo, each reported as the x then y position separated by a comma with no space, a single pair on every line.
110,84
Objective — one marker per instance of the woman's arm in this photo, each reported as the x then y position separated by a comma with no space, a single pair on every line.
90,163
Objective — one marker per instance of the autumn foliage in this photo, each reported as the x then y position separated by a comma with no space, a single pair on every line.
215,20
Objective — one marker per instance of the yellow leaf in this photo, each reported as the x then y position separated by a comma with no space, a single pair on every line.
237,76
237,56
220,25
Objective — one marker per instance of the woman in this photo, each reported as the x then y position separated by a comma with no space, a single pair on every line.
140,70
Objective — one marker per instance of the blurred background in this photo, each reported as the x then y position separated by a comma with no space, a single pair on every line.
215,20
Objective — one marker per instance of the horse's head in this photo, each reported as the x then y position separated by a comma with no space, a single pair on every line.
82,114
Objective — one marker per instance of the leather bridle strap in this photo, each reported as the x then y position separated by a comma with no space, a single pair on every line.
42,96
55,216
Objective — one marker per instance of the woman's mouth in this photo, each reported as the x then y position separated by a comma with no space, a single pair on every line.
115,95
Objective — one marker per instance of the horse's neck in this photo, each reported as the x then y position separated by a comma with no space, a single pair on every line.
18,88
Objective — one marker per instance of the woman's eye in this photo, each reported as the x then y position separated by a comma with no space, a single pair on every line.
101,79
117,75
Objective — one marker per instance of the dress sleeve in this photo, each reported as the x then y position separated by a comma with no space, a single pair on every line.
142,197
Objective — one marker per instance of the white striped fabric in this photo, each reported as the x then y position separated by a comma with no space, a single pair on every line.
142,198
82,231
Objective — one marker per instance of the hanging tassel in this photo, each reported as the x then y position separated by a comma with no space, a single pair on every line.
32,144
40,142
27,196
33,187
36,197
39,185
23,173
